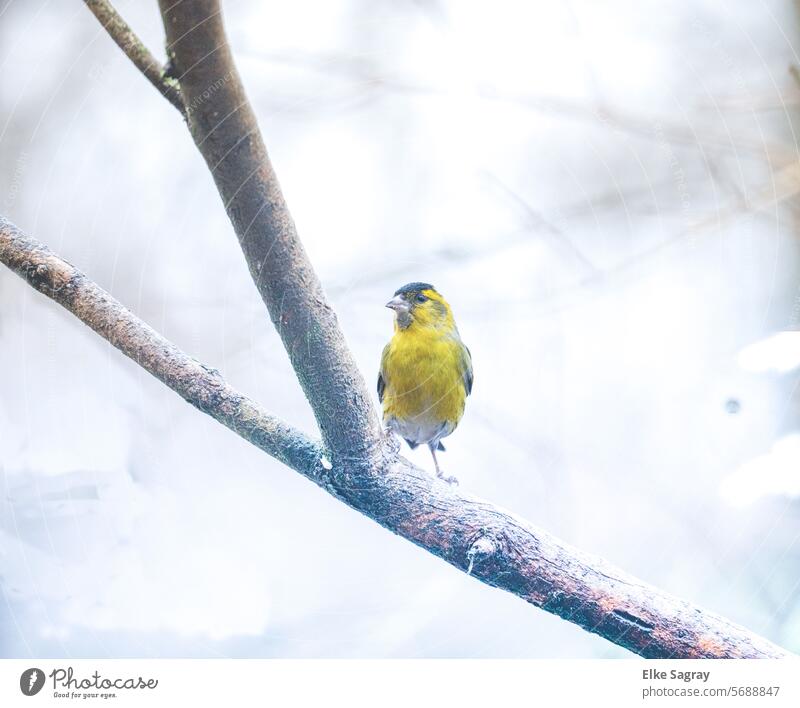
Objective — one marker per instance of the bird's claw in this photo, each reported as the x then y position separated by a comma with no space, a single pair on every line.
448,479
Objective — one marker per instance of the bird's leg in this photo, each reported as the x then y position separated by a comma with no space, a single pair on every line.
436,463
439,473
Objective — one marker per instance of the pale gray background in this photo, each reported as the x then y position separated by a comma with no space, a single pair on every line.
605,192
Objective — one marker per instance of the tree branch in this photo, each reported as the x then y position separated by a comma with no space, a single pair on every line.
475,536
133,48
198,384
226,133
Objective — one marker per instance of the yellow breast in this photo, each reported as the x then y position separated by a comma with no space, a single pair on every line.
423,376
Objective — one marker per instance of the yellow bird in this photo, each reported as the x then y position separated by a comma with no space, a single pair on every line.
426,370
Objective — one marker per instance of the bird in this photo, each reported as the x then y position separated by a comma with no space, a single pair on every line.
425,372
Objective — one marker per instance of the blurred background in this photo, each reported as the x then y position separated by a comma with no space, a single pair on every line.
607,194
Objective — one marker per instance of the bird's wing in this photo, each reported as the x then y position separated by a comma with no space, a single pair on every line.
466,364
381,386
381,379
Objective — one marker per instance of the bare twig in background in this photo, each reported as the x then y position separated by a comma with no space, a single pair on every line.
472,535
784,185
558,240
452,254
612,117
133,48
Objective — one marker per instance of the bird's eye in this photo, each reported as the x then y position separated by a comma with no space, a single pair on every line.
420,297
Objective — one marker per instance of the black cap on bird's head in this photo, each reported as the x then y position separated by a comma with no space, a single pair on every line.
413,288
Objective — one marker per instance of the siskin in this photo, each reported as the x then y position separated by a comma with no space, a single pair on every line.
426,370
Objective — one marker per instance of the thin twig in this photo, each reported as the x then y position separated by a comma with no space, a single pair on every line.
617,119
558,240
128,42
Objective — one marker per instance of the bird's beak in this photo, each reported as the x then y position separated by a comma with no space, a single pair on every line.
398,304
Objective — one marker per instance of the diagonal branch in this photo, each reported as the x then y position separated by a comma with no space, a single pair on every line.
133,48
473,535
200,385
225,130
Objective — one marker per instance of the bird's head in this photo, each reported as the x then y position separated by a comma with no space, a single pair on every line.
419,304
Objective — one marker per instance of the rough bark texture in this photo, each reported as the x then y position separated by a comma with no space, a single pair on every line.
475,536
133,48
226,133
